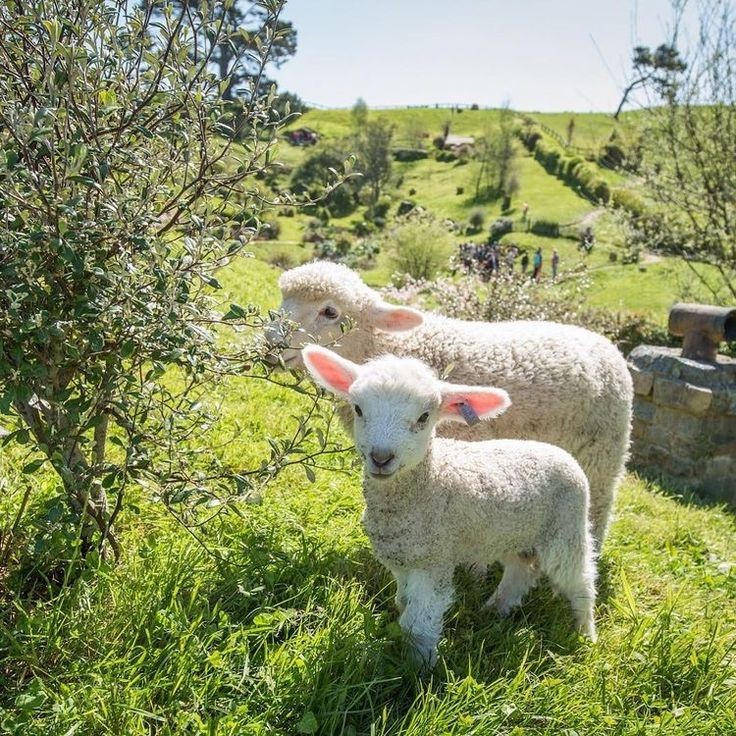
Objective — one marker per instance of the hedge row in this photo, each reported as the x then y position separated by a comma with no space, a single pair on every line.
577,172
574,170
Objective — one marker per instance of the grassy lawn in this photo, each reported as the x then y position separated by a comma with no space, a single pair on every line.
279,621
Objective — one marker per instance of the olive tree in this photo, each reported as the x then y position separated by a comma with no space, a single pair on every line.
116,176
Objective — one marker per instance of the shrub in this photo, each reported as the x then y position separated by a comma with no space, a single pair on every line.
379,210
600,191
344,249
477,219
570,163
501,227
530,134
315,231
281,259
106,349
361,228
548,154
419,245
546,228
446,156
410,154
316,171
612,156
627,200
269,230
512,296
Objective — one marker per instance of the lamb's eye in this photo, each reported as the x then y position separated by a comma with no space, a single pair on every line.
423,419
358,411
330,313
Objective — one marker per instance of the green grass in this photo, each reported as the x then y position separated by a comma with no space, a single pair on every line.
285,624
435,186
591,129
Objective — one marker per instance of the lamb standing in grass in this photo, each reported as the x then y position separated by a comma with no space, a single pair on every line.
433,504
571,387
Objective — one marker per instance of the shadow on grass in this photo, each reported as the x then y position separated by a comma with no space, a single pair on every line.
680,492
313,617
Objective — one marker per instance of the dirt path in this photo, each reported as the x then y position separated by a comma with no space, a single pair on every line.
591,217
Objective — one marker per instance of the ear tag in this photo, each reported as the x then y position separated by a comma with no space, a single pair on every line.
468,413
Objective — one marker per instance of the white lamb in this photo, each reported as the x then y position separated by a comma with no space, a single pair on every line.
571,387
433,504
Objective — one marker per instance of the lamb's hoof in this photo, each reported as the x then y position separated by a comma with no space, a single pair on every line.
501,605
588,630
423,653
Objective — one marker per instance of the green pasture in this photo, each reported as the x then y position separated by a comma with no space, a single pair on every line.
278,621
447,189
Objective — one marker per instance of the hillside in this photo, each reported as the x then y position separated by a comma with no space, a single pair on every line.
446,189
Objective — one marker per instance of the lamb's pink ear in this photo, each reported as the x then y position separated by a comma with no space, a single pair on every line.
329,370
391,318
471,403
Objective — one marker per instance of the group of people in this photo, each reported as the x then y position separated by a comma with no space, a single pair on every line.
488,257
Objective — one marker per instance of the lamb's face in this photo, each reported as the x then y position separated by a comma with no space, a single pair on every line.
394,420
322,321
328,304
397,402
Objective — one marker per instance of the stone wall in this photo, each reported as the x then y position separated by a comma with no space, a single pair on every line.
685,420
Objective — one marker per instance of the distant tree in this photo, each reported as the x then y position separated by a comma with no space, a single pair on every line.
359,113
659,69
688,168
415,132
247,26
419,245
373,150
570,131
294,102
317,172
496,154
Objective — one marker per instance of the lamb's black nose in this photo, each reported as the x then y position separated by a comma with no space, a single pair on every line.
381,458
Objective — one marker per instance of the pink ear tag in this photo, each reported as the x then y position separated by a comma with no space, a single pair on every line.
468,413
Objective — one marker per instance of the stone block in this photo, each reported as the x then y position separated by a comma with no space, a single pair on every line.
673,422
643,410
642,380
639,433
681,395
697,398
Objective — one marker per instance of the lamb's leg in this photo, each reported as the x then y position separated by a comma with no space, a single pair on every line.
429,594
571,569
520,574
604,463
401,576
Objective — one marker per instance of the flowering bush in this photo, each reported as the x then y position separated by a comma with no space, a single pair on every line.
512,296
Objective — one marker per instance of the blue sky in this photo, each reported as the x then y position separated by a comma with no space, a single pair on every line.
537,54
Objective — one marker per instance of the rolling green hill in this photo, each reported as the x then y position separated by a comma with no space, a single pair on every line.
446,189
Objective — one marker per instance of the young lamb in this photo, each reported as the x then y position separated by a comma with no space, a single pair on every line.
433,504
571,387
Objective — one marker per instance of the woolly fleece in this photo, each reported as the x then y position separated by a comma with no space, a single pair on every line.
569,386
447,503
